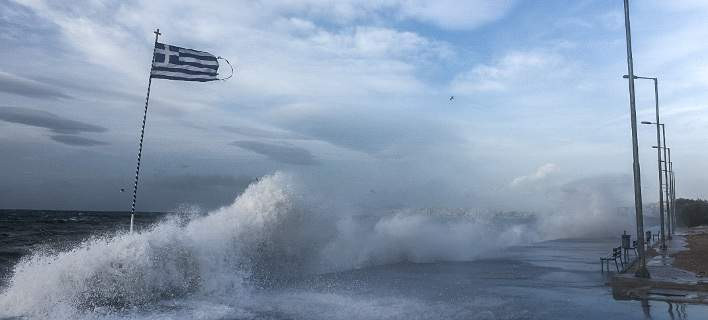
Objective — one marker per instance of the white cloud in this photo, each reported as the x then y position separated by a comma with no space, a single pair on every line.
291,56
452,14
289,66
367,82
446,14
516,68
540,174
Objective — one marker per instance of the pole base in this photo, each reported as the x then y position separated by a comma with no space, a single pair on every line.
131,222
642,272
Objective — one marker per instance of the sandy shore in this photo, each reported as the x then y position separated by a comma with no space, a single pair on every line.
695,259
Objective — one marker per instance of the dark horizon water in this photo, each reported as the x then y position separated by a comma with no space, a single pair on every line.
558,279
25,230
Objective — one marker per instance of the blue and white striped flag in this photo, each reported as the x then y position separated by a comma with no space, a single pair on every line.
175,63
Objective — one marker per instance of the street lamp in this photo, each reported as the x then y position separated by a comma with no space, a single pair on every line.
673,187
658,161
658,156
642,271
673,191
667,185
672,195
670,184
672,222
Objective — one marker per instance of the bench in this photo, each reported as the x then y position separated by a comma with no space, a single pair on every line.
614,256
634,247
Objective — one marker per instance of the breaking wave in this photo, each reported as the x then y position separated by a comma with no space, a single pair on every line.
272,231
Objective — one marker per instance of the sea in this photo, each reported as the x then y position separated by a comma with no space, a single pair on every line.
273,255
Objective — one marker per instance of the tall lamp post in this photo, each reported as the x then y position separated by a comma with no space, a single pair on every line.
658,158
672,222
673,191
670,191
667,185
672,195
642,271
670,185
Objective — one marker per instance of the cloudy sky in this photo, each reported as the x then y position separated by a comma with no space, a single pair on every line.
351,96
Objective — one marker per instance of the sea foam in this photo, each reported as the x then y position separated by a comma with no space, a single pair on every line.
273,230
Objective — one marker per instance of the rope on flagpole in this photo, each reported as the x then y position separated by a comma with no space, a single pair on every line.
230,66
142,135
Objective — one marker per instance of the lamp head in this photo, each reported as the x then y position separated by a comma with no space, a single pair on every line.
647,122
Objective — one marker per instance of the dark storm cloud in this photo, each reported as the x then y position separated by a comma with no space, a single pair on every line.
92,181
374,132
280,153
262,133
208,191
73,140
191,182
48,120
13,84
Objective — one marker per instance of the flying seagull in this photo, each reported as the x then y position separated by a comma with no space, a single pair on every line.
452,98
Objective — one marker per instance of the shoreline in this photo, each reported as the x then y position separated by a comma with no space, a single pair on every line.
695,258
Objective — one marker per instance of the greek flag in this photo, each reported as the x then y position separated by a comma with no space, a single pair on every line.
175,63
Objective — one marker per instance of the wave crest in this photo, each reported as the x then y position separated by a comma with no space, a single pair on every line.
271,232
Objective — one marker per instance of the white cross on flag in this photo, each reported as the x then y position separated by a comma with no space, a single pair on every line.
175,63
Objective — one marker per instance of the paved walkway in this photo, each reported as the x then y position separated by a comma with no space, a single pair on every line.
667,282
661,266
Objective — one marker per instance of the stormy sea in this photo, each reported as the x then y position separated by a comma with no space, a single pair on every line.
276,253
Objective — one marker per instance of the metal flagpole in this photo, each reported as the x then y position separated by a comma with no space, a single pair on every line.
642,269
142,135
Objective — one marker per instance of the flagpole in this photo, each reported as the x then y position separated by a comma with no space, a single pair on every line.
142,135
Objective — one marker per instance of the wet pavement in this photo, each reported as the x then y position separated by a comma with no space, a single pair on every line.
667,282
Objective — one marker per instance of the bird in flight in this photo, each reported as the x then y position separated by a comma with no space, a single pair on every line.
122,190
452,98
